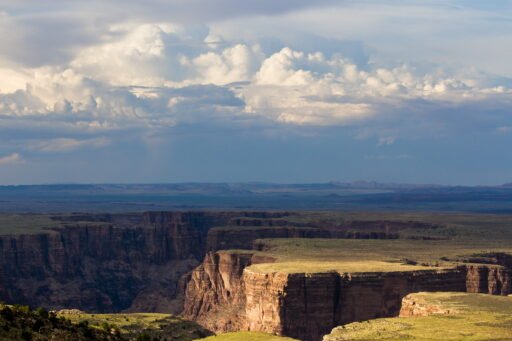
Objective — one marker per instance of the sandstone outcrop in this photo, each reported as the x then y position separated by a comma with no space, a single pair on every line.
491,279
411,306
223,296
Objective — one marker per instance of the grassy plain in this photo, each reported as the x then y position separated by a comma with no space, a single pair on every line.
454,224
473,317
26,223
456,237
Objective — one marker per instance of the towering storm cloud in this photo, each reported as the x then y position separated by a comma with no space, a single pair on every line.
255,90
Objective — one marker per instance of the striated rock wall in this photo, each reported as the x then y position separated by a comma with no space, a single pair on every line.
106,267
489,279
216,289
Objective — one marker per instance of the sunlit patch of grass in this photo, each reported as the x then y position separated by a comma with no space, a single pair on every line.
340,267
475,317
350,255
246,336
12,224
25,223
138,320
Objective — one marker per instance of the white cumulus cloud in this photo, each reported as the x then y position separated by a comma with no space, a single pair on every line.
11,159
58,145
160,74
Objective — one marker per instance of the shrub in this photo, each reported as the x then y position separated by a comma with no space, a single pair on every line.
83,324
143,337
21,308
41,312
105,326
37,325
7,313
26,335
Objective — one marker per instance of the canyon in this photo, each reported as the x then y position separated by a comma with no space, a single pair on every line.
108,264
119,262
201,264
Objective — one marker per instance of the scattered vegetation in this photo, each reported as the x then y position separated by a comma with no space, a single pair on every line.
142,326
19,322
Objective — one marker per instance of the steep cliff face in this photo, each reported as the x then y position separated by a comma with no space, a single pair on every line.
107,267
314,304
223,296
491,279
217,288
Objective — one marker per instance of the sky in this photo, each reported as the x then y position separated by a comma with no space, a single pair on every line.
289,91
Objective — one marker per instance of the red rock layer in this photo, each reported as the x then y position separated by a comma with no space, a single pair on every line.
492,279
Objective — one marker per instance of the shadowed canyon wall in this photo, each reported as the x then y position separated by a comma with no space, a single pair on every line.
107,267
114,262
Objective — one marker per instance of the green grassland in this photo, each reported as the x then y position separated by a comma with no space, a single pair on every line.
461,225
357,255
246,336
154,325
26,223
12,224
472,317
